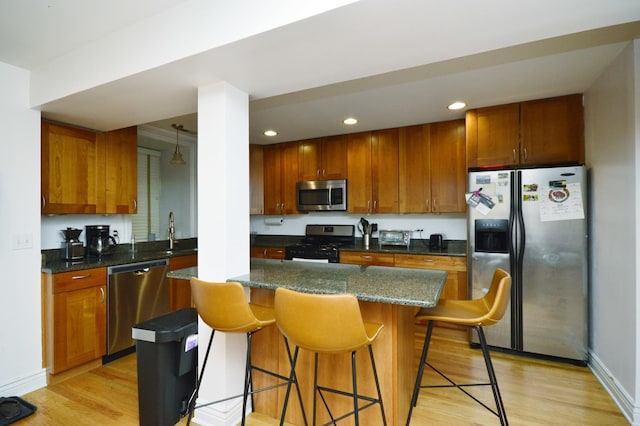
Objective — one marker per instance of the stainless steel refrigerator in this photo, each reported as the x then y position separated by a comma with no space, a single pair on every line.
532,223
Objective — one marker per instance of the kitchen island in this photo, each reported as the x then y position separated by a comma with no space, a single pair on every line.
390,296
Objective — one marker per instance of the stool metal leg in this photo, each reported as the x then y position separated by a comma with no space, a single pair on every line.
423,361
375,376
502,415
194,396
293,379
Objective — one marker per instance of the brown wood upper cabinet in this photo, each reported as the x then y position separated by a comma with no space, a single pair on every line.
539,132
323,158
71,169
372,171
432,168
280,177
122,171
88,172
256,179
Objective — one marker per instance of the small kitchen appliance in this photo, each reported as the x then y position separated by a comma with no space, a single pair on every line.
321,195
71,248
321,243
394,238
99,241
436,242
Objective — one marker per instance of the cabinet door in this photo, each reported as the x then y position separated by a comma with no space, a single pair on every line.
79,327
272,184
359,173
493,135
256,179
70,171
180,290
310,159
448,167
384,171
289,177
121,171
334,157
552,130
414,183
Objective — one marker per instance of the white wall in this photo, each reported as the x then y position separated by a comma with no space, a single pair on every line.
452,225
20,339
612,140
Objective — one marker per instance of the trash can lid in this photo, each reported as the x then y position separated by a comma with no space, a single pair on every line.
168,327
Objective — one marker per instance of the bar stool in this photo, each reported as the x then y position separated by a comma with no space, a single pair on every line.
332,324
224,307
475,314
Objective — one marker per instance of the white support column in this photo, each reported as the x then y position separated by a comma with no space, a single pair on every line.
223,236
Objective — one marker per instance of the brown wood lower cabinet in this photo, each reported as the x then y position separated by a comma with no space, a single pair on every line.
180,290
268,252
456,285
367,258
75,318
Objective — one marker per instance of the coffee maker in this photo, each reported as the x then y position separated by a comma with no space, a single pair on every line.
71,248
99,241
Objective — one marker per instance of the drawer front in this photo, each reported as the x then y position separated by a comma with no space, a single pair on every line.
366,258
75,280
446,263
268,252
182,262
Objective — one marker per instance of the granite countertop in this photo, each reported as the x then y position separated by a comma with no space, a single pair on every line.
456,248
400,286
143,252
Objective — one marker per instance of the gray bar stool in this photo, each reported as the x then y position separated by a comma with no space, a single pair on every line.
476,314
224,307
327,323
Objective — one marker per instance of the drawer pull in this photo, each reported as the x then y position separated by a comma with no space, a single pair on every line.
102,298
80,277
428,260
366,257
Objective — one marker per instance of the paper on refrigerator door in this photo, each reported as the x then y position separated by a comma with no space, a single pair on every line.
561,203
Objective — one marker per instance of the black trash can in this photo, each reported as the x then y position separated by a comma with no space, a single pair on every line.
167,357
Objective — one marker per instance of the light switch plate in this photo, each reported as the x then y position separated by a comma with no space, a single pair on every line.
22,241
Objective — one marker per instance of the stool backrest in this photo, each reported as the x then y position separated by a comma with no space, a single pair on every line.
320,322
223,306
497,298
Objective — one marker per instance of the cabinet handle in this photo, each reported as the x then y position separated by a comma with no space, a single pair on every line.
135,205
435,205
264,253
317,172
375,206
426,205
365,256
102,295
323,173
514,156
44,201
368,205
282,208
526,154
428,260
80,277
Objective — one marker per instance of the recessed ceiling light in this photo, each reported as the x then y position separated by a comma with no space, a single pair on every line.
456,105
270,133
350,121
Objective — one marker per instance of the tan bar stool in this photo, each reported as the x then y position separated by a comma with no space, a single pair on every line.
327,323
224,307
475,314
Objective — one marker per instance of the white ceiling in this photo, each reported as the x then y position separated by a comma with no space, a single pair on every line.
389,63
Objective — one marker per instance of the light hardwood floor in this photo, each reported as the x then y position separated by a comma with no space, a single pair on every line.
535,392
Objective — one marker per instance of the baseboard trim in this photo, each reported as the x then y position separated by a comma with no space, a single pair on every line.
25,384
619,395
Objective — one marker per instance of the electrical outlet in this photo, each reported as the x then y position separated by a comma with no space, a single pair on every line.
22,241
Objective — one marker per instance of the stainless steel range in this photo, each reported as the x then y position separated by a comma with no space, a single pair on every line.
321,243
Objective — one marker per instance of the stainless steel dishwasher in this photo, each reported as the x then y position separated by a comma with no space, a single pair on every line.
137,292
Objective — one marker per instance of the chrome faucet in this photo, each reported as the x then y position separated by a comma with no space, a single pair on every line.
172,231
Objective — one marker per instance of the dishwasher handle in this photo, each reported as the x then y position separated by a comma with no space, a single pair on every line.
141,271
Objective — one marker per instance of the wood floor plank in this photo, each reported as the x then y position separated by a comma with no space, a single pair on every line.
534,391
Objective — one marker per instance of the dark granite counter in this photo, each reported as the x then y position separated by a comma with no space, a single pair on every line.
456,248
144,251
398,286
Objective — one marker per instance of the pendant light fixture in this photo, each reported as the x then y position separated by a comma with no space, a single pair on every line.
177,155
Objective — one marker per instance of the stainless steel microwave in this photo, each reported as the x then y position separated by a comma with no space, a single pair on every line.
321,195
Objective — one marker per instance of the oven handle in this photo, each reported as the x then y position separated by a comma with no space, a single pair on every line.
302,259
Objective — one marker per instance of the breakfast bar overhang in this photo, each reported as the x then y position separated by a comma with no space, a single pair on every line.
387,295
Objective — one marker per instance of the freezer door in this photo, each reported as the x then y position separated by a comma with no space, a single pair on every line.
554,262
486,245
